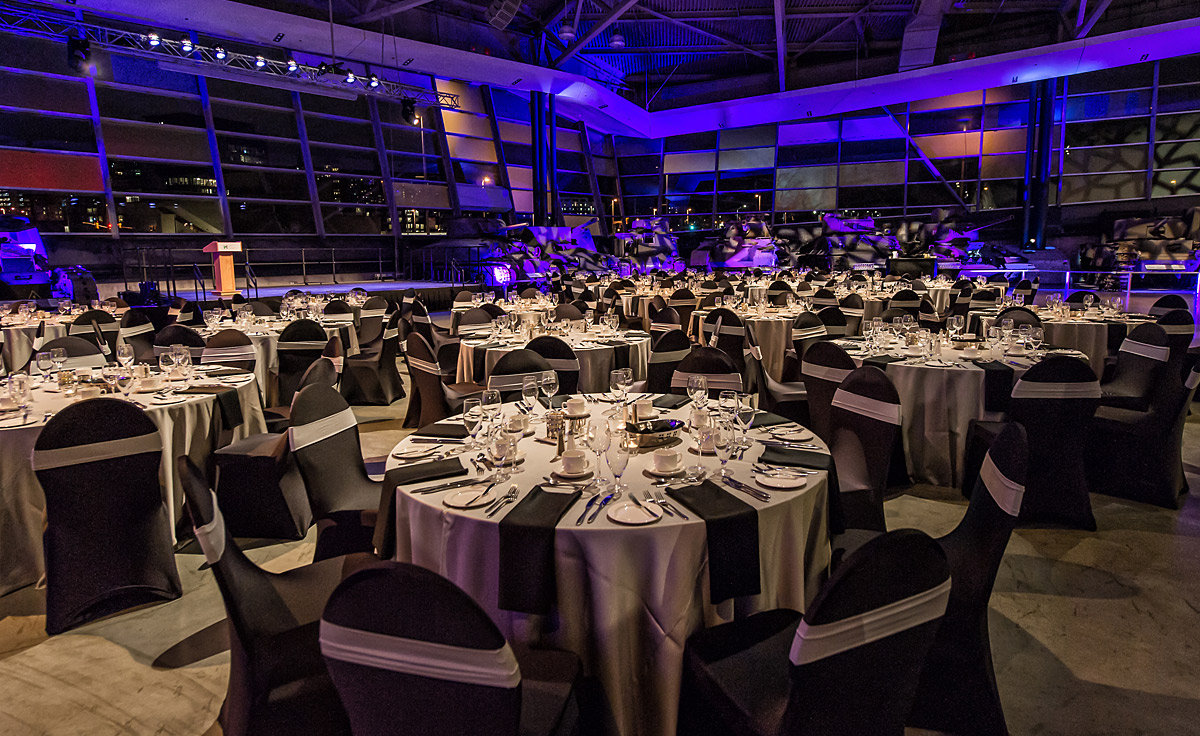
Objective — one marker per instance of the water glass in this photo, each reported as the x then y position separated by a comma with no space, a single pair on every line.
548,383
472,418
45,362
59,356
727,402
725,445
744,415
529,392
492,404
125,354
697,388
619,450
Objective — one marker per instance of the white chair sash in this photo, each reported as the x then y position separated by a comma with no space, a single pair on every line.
391,333
474,329
717,381
663,326
96,451
882,411
135,330
904,304
231,353
1160,311
95,360
1039,390
824,302
309,434
563,364
422,318
486,667
302,345
852,312
211,536
806,333
511,381
1179,329
338,361
1153,352
1006,492
668,356
86,329
716,333
1193,379
835,330
197,353
718,329
338,317
365,313
681,302
424,366
824,372
813,643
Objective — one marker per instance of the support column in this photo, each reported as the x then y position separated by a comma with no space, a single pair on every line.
1045,128
537,140
552,165
1031,119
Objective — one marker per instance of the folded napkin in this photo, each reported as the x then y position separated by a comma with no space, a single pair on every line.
555,402
620,352
224,372
881,361
443,430
1117,332
527,574
997,384
385,524
228,403
670,401
732,530
636,334
767,419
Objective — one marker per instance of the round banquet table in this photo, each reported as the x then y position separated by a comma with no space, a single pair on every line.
938,400
1086,333
187,428
875,303
773,331
596,360
18,339
628,597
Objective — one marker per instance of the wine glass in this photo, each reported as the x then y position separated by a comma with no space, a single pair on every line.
616,385
124,382
727,402
744,414
59,356
548,383
186,370
125,355
697,388
1088,300
1036,336
166,365
109,373
491,405
472,418
618,457
212,317
529,393
1006,328
955,324
504,454
18,389
63,307
598,440
45,362
626,380
725,445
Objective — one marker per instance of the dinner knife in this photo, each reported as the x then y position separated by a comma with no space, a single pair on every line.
599,507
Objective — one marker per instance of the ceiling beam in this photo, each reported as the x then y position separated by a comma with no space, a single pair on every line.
1007,7
837,27
780,44
717,36
715,49
612,16
1097,11
389,10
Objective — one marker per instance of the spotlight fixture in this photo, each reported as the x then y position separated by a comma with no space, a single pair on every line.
185,45
374,81
408,112
260,62
350,77
292,66
617,41
154,39
219,52
566,32
79,53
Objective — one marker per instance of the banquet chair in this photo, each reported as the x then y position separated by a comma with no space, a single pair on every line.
1181,330
998,280
185,312
803,287
928,317
1019,316
562,360
864,421
300,343
370,325
97,326
780,299
474,321
890,315
436,336
720,370
338,310
960,302
983,299
230,348
80,353
588,297
853,308
684,302
1055,401
807,330
824,367
667,351
919,286
377,635
278,682
1076,297
834,321
530,293
961,284
824,297
137,331
1139,454
723,329
323,438
657,303
665,320
107,540
1026,290
322,372
848,666
567,313
373,379
957,690
583,309
262,308
1167,303
510,372
1140,364
464,297
778,286
906,299
433,399
177,334
787,398
710,285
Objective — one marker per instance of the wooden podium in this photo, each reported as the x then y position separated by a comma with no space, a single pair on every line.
224,282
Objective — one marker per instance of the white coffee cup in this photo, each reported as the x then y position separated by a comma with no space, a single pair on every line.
574,461
89,392
518,423
643,409
576,406
151,383
970,352
667,460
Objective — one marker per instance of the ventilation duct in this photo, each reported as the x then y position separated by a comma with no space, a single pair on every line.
919,45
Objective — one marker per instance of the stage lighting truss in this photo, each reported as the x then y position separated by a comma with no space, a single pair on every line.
180,51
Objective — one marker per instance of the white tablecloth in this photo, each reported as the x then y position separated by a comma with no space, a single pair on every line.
773,331
628,597
186,429
595,362
18,340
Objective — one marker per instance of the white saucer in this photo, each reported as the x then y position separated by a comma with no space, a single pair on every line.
781,483
800,435
573,476
584,415
5,425
631,514
660,474
461,499
654,414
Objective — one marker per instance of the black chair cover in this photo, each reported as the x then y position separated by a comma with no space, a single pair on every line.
511,369
97,327
1167,303
723,329
1019,316
864,421
300,343
562,360
374,379
230,348
80,353
432,399
107,541
1142,362
568,312
666,354
137,331
1181,329
824,367
906,299
715,364
807,330
852,307
834,321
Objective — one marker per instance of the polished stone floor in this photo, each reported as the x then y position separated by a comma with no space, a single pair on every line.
1093,633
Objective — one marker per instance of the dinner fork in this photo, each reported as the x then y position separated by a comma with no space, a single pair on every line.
661,500
651,499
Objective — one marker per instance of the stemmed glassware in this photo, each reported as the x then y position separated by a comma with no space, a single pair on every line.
955,323
697,388
725,445
59,357
492,404
125,355
45,362
1036,336
727,402
529,393
472,418
1088,300
618,457
598,440
548,383
744,414
124,383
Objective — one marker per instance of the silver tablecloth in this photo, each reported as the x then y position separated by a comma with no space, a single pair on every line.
18,340
595,363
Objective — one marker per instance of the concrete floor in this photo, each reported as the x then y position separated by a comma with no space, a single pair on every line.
1092,633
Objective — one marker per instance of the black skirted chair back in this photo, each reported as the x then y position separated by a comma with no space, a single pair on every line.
400,669
262,308
185,312
434,396
562,360
683,301
511,370
834,320
80,353
300,343
890,315
371,316
919,286
530,293
567,313
373,378
1019,316
666,353
1142,362
807,330
824,297
588,297
107,540
961,284
665,320
928,317
723,329
495,310
231,348
475,321
1180,327
803,287
98,326
957,691
278,682
137,331
1026,290
906,299
418,315
852,307
849,666
1076,297
864,421
823,369
338,310
715,365
177,334
323,438
1167,303
984,298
